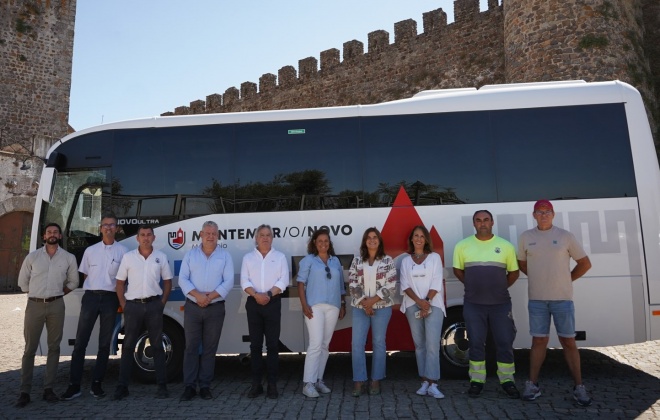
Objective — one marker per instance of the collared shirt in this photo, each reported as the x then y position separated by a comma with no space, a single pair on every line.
206,274
144,274
43,277
100,263
318,287
262,273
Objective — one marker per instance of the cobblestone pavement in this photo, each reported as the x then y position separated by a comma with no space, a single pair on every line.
623,381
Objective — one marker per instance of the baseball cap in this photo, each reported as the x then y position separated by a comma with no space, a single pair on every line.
543,203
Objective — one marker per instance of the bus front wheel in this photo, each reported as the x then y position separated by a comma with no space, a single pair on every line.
173,343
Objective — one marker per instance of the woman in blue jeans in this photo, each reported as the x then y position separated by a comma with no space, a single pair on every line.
372,279
424,306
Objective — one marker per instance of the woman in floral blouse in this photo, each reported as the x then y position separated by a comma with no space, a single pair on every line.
372,284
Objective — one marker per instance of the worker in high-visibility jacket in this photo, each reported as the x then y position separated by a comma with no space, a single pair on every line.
487,266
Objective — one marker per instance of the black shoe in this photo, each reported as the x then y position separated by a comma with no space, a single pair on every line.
73,391
97,390
23,400
272,391
50,396
511,391
255,390
188,394
121,392
475,389
205,394
162,392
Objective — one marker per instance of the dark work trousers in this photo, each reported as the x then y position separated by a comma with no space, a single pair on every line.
478,318
149,314
95,304
264,320
202,326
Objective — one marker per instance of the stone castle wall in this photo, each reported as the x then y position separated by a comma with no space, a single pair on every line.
517,41
36,53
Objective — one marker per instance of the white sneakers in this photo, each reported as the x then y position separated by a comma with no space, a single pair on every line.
309,390
434,392
430,390
322,387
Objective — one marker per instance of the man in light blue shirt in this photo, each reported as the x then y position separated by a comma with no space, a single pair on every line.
206,278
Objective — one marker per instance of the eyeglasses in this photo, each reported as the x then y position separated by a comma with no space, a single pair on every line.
544,212
327,272
109,225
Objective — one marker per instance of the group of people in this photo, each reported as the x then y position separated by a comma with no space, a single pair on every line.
140,281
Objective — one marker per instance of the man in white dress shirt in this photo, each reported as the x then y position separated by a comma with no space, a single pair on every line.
143,303
264,276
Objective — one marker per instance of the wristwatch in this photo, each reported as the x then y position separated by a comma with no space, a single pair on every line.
270,294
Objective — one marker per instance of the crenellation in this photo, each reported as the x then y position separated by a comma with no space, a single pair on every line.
329,59
248,90
182,110
378,41
231,96
198,107
214,103
405,31
434,21
493,4
353,50
267,83
307,68
465,10
287,76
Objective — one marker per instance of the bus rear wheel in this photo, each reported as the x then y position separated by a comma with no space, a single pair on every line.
173,343
454,344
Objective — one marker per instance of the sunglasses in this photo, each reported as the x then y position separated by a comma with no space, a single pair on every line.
327,272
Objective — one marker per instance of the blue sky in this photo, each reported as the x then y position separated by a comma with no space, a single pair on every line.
135,59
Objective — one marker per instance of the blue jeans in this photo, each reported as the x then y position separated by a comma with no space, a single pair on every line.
426,334
562,312
361,324
94,304
202,328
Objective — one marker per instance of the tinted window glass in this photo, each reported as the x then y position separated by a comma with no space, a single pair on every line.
563,153
294,165
439,158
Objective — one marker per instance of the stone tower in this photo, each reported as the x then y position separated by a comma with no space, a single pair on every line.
36,52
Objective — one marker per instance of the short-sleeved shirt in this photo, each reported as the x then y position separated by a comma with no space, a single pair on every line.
548,254
207,274
144,274
318,288
43,277
100,264
486,264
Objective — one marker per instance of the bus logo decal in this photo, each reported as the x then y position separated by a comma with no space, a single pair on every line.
176,239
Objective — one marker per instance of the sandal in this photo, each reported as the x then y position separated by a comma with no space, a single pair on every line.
358,389
374,389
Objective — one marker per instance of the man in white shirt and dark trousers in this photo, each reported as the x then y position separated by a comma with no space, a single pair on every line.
264,276
99,267
206,278
143,304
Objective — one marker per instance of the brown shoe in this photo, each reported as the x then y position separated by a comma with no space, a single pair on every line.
50,396
374,388
23,400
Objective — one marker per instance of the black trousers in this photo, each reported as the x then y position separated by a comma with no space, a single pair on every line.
264,321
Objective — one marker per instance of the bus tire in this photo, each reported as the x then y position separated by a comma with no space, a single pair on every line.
454,354
174,344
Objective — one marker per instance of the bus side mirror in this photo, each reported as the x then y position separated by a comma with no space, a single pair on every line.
48,176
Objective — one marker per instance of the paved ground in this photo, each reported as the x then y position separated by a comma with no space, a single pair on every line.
624,382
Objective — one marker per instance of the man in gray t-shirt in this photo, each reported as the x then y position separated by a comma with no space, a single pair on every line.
544,254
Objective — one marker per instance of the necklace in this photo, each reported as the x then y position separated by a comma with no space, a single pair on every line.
419,256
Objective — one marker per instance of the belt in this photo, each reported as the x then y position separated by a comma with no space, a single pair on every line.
101,292
44,300
145,300
195,303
